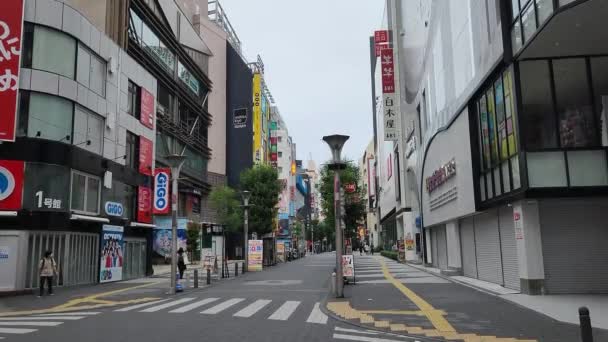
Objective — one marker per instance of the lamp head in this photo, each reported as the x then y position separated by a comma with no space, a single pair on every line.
336,142
246,195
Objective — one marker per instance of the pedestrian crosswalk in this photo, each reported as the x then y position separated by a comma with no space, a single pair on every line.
275,310
369,270
11,326
364,335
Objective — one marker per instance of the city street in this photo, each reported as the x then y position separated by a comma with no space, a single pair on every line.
282,303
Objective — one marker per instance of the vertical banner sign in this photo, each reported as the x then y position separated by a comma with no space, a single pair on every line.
256,249
390,96
145,156
348,266
257,115
371,177
11,184
380,41
11,27
161,191
144,204
147,109
111,253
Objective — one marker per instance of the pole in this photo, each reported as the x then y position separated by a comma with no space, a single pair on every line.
246,237
175,174
338,214
585,319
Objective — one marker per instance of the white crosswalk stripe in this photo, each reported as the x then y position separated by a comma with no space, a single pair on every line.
137,306
286,310
194,305
368,336
19,325
168,305
31,323
222,306
87,313
252,308
317,316
37,318
16,331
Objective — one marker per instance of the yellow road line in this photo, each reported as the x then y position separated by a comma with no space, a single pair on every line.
433,315
398,312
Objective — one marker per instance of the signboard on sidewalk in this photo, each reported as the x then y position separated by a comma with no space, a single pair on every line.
401,249
280,252
110,268
255,255
348,265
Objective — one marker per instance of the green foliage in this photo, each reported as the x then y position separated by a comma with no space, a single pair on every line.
390,254
355,202
298,228
225,201
192,239
263,183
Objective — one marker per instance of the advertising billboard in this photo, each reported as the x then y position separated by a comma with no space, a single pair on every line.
255,254
147,109
110,268
162,235
257,116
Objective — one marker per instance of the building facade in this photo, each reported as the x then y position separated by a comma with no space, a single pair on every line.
367,180
507,100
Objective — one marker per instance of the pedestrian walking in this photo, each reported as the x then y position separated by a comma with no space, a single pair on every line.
360,249
372,248
181,264
47,268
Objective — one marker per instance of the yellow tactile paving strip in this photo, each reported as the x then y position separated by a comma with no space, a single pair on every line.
443,329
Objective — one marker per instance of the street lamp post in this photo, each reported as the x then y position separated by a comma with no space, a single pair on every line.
246,195
336,142
175,162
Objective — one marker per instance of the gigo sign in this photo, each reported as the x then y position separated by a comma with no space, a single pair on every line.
114,209
161,191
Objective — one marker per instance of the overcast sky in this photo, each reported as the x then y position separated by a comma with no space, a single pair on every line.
316,57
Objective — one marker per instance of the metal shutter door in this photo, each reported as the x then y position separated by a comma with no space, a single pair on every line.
574,235
434,245
487,247
467,246
442,253
508,247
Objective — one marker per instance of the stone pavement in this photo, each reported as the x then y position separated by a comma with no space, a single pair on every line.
400,298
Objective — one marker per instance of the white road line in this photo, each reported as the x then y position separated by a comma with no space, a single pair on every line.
222,306
252,308
32,323
194,305
38,318
317,316
167,305
134,307
16,331
356,331
365,338
71,314
283,313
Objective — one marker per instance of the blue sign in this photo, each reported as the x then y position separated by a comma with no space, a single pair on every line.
7,183
114,209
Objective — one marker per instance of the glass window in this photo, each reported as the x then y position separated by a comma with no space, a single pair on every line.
546,169
165,101
98,76
545,9
133,100
528,19
492,127
515,172
49,117
85,193
54,52
88,130
506,179
514,8
587,168
497,185
516,40
482,187
132,151
280,154
186,76
538,119
150,39
500,118
136,27
83,70
577,123
599,73
510,113
485,131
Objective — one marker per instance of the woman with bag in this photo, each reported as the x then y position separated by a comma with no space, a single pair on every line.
181,264
47,269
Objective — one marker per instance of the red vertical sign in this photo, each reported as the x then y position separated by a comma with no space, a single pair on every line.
147,109
11,184
380,36
388,70
11,27
144,204
145,156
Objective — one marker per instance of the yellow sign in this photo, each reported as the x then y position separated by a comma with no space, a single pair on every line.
257,115
255,256
293,167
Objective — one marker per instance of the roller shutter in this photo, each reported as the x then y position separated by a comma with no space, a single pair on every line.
508,247
487,247
442,252
467,246
434,246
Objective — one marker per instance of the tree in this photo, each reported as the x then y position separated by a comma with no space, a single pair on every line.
263,183
354,205
224,200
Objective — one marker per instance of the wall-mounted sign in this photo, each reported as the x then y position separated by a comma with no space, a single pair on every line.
144,204
147,109
45,187
161,191
350,188
146,150
381,39
11,184
11,25
114,209
441,175
390,95
239,118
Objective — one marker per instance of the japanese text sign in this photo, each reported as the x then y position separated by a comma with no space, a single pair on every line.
387,66
145,156
147,109
11,27
144,204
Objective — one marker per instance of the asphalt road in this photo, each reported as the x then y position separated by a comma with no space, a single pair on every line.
279,304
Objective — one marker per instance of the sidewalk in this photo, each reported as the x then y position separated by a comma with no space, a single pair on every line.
563,308
403,299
